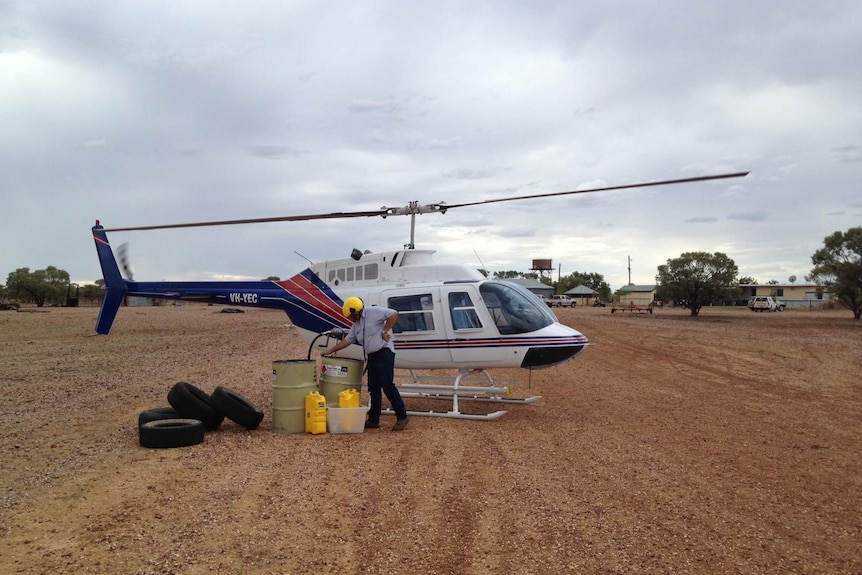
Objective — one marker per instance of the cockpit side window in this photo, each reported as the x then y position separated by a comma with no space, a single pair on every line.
513,308
415,313
463,312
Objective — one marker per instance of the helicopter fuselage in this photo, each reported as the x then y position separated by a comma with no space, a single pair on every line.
449,315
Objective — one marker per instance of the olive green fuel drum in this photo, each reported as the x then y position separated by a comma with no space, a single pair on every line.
292,380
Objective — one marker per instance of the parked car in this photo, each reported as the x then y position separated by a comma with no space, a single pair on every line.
560,301
780,304
762,303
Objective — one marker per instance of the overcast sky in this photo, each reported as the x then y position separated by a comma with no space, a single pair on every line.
139,113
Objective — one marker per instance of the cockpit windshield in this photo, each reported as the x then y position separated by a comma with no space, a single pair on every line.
514,309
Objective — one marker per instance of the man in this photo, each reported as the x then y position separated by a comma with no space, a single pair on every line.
372,327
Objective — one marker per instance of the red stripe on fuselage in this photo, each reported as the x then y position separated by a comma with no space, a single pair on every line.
514,342
306,291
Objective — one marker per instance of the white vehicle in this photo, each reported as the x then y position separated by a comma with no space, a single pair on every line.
560,301
763,303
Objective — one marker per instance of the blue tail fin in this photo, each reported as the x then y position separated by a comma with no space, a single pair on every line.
114,284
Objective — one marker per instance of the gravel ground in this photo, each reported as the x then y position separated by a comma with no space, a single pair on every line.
728,443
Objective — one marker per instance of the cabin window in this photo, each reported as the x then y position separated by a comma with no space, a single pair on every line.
463,311
369,271
337,274
415,313
513,309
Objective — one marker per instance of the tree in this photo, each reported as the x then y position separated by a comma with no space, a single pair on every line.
838,267
698,279
47,285
91,292
747,280
512,274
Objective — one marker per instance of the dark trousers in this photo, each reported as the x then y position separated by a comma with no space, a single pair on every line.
381,376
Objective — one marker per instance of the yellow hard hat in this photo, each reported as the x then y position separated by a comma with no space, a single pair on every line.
352,305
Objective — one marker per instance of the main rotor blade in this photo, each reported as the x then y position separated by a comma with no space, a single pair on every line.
333,215
414,207
605,189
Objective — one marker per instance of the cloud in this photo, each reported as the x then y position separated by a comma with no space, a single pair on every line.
470,174
759,216
388,106
846,154
273,151
129,113
416,141
702,220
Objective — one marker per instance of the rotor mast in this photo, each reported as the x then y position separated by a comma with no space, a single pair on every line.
412,209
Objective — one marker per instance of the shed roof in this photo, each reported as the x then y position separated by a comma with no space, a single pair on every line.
638,288
582,290
786,285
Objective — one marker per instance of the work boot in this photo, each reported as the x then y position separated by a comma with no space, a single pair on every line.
371,425
401,424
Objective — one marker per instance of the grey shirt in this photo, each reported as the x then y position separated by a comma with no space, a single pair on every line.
368,331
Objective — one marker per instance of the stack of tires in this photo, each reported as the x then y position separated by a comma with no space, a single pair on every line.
193,412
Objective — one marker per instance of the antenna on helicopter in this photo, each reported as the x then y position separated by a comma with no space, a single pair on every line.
303,257
481,263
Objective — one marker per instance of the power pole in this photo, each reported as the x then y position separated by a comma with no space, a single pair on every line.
630,270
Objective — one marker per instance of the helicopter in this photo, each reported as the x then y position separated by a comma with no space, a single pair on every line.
450,316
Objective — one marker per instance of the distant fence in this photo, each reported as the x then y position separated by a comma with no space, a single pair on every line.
810,304
806,304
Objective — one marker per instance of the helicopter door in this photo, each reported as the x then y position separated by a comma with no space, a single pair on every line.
469,326
420,332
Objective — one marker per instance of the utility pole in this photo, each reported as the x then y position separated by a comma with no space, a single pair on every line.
630,270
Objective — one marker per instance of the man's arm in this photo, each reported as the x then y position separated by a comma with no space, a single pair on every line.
387,327
337,347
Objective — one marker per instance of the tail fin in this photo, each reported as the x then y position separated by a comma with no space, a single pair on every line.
114,283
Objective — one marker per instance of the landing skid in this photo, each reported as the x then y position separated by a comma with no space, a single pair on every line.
456,392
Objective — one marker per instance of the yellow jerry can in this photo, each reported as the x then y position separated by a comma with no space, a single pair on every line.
348,398
315,413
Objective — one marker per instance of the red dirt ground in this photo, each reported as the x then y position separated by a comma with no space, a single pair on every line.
728,443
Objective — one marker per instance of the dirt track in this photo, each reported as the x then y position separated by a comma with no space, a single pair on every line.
724,444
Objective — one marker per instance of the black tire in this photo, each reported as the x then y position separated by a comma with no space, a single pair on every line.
157,413
166,433
194,403
236,407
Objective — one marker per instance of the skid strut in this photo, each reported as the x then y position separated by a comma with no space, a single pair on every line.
489,393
